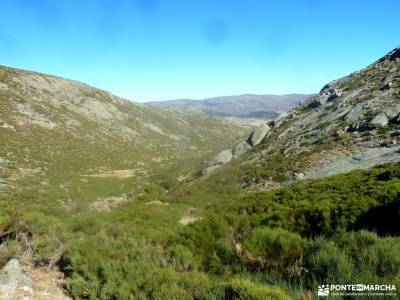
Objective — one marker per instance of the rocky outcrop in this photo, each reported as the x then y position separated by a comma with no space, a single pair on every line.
363,160
325,134
241,148
353,123
225,156
258,134
221,158
14,284
379,121
328,93
393,55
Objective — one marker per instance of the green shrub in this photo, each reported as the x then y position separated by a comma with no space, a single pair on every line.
243,289
280,178
387,257
181,258
327,263
8,250
280,249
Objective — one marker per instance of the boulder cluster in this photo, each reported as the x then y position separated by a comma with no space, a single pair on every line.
225,156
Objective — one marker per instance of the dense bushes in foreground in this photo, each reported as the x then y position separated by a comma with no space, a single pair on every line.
279,244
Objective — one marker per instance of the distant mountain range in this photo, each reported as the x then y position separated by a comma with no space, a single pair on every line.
243,106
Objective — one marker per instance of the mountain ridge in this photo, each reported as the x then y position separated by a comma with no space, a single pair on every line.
241,106
60,121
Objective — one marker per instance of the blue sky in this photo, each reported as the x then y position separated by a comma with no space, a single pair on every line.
167,49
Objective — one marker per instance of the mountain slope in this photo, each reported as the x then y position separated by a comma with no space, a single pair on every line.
243,106
354,122
54,131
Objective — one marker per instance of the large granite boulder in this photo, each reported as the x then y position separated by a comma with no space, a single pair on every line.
379,121
258,135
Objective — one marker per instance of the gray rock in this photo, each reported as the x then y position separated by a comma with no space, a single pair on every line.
14,284
379,121
258,135
298,176
391,112
393,55
279,119
4,162
329,94
222,158
241,148
362,160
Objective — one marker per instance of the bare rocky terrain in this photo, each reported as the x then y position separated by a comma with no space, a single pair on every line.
353,123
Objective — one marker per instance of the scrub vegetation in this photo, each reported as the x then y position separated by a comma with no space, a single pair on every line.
277,244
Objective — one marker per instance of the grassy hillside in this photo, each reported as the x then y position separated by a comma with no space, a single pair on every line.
79,145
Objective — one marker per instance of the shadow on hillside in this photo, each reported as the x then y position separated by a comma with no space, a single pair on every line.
383,219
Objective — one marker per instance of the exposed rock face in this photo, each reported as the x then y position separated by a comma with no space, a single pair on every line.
255,138
353,123
279,119
241,148
327,94
363,160
258,135
221,158
14,284
379,121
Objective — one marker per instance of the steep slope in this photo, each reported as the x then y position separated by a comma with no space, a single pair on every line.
354,122
56,132
243,106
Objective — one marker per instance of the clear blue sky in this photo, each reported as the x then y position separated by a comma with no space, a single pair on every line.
167,49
